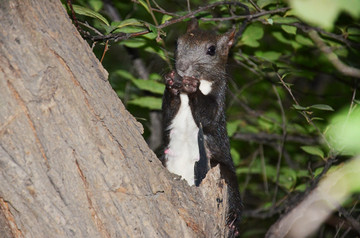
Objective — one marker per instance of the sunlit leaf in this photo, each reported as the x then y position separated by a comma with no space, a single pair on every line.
90,13
124,74
344,132
301,188
134,42
287,178
303,40
143,3
264,3
127,22
232,127
152,103
251,34
298,107
289,29
149,85
313,150
323,13
322,107
165,18
96,4
268,55
235,156
270,21
284,20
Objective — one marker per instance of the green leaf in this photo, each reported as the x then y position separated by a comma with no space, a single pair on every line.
301,188
165,18
155,77
317,118
289,29
323,107
264,3
96,4
353,31
313,150
90,13
344,132
284,20
157,51
152,103
323,13
235,156
303,40
150,36
134,42
264,124
251,34
280,37
127,22
232,127
268,55
287,178
124,74
143,3
270,21
149,85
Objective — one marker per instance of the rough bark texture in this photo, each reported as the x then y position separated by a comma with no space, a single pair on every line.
73,162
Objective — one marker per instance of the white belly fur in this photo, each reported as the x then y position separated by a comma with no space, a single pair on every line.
183,150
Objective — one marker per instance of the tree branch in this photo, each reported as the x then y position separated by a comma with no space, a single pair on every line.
264,138
124,36
333,58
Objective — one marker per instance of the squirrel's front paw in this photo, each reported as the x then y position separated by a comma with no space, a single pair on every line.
172,82
190,84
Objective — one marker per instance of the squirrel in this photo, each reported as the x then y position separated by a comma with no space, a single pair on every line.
195,135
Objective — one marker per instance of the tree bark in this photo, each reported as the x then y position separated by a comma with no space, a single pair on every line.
73,162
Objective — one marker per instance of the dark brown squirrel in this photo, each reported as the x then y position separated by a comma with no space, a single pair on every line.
194,122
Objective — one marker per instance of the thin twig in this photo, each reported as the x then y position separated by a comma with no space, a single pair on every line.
124,36
263,168
255,5
264,138
105,49
90,27
248,174
333,58
303,112
281,146
188,5
73,15
306,29
353,222
349,229
158,6
250,16
152,13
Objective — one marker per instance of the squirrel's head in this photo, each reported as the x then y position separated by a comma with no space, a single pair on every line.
202,53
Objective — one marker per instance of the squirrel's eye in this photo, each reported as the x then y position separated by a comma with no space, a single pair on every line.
211,50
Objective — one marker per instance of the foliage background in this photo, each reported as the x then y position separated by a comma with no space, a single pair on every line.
293,69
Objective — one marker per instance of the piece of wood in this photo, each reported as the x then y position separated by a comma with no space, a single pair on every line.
73,162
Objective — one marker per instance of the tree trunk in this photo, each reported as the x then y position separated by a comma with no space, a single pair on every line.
73,162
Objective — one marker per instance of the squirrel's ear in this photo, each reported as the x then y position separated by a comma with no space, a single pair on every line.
227,39
192,25
231,37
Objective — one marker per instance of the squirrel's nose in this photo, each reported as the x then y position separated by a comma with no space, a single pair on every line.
184,68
